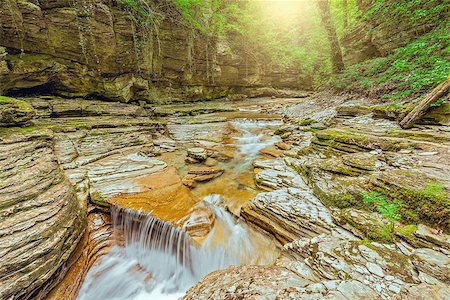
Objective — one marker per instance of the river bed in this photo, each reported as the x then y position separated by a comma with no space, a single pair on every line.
153,259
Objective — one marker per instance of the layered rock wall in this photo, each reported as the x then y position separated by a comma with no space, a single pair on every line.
377,35
71,49
41,219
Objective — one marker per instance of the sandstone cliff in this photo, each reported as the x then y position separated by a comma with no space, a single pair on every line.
377,35
65,48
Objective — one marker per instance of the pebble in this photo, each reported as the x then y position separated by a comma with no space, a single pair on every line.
375,152
378,287
330,285
394,288
375,269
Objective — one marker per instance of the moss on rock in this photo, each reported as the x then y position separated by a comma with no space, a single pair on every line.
349,139
14,112
423,200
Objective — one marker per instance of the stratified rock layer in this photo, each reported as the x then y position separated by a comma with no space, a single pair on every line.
269,282
41,219
74,49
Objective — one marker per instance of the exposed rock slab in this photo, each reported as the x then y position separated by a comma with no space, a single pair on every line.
289,214
96,241
433,263
268,282
116,175
164,196
379,266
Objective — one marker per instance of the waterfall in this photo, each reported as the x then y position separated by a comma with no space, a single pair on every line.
155,260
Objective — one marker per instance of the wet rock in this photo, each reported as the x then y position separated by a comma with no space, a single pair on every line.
289,214
164,196
190,160
117,174
282,146
14,112
96,242
205,171
201,174
199,221
41,219
271,151
210,162
197,153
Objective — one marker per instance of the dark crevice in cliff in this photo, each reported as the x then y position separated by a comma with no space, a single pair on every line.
46,89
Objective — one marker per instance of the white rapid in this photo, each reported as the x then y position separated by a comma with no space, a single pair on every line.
160,262
153,260
253,140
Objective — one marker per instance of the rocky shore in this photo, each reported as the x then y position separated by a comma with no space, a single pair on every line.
63,163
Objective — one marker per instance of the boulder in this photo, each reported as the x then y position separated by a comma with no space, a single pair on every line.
197,153
15,112
201,174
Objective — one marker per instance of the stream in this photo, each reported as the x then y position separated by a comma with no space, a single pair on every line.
152,259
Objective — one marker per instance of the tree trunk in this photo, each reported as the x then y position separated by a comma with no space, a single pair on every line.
345,11
425,104
336,53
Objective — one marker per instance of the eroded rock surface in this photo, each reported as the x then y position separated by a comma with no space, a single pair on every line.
268,282
95,242
15,112
41,218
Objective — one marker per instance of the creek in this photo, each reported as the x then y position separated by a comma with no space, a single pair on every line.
153,259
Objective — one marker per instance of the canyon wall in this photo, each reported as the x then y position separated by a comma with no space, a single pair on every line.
96,50
375,35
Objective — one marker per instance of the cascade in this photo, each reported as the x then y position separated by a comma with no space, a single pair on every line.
155,260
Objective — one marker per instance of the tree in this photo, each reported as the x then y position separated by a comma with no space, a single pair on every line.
345,12
336,53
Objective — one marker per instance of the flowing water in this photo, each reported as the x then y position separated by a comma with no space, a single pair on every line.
155,260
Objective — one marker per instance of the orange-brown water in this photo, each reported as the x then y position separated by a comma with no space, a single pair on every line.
226,241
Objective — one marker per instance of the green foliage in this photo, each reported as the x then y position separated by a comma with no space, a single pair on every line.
412,11
438,102
429,205
405,75
434,189
385,208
